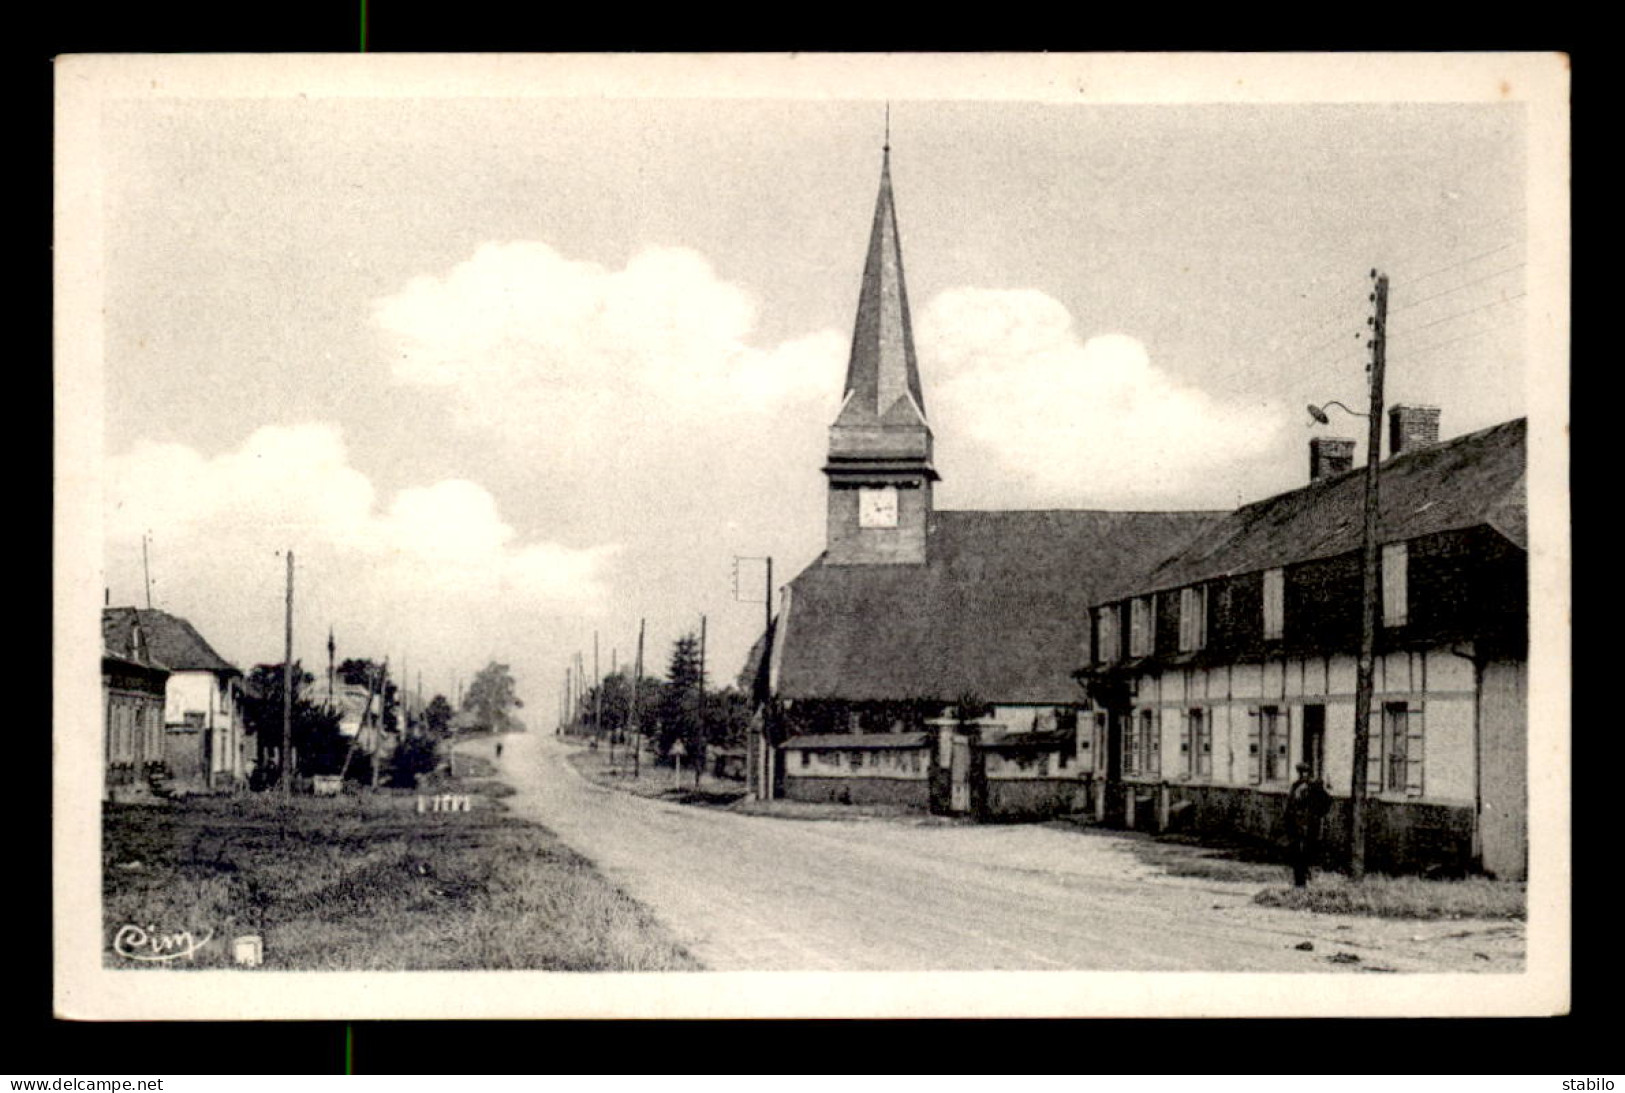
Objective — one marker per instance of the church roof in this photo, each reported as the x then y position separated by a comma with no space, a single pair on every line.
882,376
999,608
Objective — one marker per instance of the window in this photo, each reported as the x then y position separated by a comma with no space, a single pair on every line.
1267,746
1142,634
1192,619
195,719
857,760
1395,761
1274,603
1274,726
1150,745
1111,642
806,758
1196,744
1131,746
1089,638
1395,578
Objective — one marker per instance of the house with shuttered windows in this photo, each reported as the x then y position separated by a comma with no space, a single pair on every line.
1235,660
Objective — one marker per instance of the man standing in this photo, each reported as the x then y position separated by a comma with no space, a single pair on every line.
1306,804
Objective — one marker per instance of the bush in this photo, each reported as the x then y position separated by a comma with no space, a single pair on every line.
415,757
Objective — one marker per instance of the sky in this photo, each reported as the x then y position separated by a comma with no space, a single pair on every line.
506,371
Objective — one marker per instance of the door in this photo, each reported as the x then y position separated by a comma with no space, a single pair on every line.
1314,741
959,770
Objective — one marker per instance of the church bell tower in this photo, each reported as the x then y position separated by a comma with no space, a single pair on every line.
879,466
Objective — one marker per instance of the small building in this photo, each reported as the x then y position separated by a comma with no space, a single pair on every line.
1235,660
205,745
133,690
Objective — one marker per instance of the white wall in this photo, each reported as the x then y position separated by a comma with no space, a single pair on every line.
202,692
1441,683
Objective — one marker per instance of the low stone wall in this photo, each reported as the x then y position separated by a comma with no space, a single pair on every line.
908,792
1035,798
1401,836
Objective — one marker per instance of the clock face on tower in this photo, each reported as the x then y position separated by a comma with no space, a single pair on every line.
877,508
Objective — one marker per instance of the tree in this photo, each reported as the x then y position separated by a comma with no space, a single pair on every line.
491,697
437,718
358,671
681,699
318,745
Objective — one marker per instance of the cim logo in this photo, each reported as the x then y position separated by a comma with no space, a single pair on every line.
147,944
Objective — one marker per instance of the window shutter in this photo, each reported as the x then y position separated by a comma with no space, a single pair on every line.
1413,753
1274,603
1187,741
1131,744
1373,756
1255,748
1395,582
1089,637
1153,732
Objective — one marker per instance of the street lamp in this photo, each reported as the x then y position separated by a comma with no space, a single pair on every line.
1370,584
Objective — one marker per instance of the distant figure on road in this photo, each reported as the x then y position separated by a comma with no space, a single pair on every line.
499,749
1306,805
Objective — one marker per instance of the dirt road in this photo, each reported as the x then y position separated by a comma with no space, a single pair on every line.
764,893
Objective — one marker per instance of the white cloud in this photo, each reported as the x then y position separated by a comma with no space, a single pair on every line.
438,568
523,335
1068,420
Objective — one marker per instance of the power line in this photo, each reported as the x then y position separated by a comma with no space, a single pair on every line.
1416,352
1458,265
1458,288
1461,314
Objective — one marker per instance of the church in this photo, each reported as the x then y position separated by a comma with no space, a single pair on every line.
1155,670
927,657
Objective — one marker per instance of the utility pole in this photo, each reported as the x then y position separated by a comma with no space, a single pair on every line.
1369,603
287,685
146,569
703,735
597,693
637,726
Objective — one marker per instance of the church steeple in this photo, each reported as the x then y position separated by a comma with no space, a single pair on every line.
879,466
882,370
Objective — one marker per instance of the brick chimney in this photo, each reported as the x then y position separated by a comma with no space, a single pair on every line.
1329,455
1411,427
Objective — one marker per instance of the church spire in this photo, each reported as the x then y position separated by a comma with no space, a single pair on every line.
882,375
879,467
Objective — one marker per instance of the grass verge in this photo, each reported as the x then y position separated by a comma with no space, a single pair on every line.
654,781
365,883
1403,897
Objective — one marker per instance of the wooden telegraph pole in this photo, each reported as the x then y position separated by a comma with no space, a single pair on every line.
287,686
637,726
703,734
1369,604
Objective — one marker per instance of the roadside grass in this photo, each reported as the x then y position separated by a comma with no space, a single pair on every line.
365,883
654,781
785,809
661,783
1402,897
